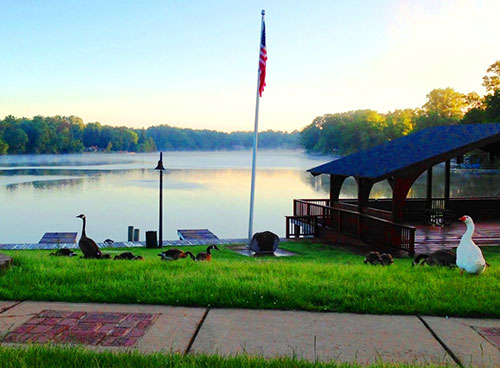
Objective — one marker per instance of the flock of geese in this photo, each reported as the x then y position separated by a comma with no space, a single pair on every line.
90,249
175,254
468,258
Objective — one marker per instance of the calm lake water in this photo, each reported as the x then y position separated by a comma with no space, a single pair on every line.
40,193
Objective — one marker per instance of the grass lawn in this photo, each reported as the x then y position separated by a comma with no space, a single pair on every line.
52,357
320,279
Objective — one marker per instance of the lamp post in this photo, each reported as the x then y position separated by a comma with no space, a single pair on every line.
161,168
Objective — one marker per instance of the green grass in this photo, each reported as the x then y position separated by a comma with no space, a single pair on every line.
321,279
52,357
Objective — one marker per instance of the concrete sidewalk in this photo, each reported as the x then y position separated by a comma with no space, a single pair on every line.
342,337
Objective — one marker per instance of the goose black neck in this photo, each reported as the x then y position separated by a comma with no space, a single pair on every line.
83,228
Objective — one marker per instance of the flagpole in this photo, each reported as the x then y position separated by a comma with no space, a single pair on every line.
255,140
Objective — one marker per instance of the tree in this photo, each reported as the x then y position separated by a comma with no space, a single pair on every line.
444,106
399,123
91,134
492,82
17,139
38,133
445,103
474,101
3,147
492,110
145,143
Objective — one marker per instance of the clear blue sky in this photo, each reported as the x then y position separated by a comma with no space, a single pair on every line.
194,63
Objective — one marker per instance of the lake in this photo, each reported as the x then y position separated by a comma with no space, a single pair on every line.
41,193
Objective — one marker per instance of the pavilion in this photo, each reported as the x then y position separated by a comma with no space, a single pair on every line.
400,162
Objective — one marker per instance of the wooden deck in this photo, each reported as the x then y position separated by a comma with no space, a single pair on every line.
432,238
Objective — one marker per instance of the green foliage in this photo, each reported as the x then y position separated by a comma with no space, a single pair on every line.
351,131
168,138
69,134
345,133
445,103
492,81
4,147
492,107
320,278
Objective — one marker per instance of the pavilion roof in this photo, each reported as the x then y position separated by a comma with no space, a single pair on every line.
415,152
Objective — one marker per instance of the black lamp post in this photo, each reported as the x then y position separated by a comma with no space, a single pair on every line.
161,168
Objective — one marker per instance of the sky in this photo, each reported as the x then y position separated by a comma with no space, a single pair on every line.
194,63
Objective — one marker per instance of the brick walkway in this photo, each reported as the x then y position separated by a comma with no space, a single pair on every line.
94,328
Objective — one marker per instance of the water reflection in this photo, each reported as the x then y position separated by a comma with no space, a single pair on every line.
210,193
46,184
462,184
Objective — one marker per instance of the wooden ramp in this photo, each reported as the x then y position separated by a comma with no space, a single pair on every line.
432,238
196,234
61,238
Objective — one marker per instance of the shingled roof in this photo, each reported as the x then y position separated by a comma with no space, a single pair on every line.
422,149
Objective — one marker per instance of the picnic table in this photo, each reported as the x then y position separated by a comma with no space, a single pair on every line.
438,216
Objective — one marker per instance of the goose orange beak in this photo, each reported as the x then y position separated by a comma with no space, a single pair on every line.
462,218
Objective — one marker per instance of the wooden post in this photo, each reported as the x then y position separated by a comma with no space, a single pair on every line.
364,189
130,233
296,230
336,182
401,186
428,202
447,183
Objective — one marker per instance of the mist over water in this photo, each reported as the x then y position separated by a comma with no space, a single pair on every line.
41,193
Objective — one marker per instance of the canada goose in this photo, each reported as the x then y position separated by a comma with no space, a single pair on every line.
128,255
469,257
206,256
88,246
174,254
442,257
63,252
386,259
373,258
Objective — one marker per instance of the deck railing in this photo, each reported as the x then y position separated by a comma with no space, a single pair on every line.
301,226
373,230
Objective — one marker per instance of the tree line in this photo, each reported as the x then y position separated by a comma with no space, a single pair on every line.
62,134
338,134
348,132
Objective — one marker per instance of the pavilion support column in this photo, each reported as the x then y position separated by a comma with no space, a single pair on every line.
428,202
336,182
400,188
364,189
447,170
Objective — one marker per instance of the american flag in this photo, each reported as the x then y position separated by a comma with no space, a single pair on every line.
262,60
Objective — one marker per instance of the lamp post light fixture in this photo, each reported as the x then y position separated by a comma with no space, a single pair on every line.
161,168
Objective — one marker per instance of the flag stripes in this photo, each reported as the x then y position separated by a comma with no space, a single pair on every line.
262,60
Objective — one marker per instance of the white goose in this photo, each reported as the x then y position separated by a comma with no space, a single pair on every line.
469,257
